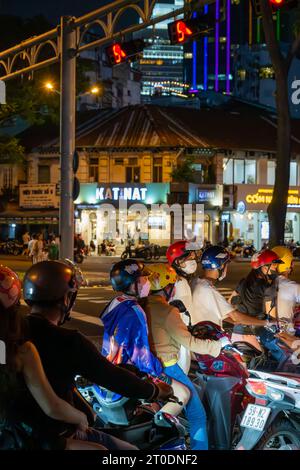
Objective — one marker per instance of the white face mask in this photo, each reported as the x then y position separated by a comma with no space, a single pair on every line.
144,290
190,266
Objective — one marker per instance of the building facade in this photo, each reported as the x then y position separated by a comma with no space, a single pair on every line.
128,157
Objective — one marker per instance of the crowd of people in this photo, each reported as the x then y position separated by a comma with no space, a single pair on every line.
142,327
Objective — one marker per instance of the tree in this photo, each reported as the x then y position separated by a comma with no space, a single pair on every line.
281,64
184,172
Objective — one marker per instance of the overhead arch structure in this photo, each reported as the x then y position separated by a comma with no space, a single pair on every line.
28,55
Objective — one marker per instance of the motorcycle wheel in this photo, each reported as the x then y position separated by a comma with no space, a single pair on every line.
124,255
16,252
147,255
281,435
78,259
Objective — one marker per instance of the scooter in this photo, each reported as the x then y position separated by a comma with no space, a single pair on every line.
264,411
132,420
79,255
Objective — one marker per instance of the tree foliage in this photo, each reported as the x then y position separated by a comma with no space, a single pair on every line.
184,172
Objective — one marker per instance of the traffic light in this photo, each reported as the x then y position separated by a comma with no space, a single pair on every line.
276,5
121,52
181,31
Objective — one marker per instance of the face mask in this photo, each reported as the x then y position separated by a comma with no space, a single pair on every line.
190,267
143,290
272,274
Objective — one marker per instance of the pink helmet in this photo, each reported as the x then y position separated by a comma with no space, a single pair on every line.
10,287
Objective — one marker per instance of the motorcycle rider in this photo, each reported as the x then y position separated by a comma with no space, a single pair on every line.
125,339
181,255
167,334
288,291
22,377
256,295
50,289
208,302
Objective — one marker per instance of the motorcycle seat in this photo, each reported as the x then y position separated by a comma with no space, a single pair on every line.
245,347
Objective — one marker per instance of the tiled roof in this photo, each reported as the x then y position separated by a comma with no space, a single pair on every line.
244,128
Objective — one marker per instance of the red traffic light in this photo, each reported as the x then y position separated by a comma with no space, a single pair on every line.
277,2
115,54
283,4
120,52
181,31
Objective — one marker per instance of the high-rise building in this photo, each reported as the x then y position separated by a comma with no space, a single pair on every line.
233,59
162,63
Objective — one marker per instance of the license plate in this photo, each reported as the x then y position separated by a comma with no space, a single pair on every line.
255,417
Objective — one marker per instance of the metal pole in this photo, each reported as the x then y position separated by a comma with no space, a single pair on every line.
67,135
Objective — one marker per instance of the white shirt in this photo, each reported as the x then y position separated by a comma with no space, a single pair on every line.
288,297
182,291
208,303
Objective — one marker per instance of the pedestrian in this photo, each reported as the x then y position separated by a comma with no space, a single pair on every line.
31,246
53,249
26,240
38,250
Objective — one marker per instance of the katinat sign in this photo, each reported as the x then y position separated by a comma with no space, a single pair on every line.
38,196
259,197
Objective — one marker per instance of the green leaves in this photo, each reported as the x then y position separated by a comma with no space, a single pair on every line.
10,150
184,172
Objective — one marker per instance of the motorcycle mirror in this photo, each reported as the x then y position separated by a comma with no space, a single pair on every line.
178,304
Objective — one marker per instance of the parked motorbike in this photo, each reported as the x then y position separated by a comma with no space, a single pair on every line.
11,247
146,252
79,255
248,251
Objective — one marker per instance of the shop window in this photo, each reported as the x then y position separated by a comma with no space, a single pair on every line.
271,172
227,171
293,173
239,171
250,171
157,169
133,174
93,169
43,174
132,161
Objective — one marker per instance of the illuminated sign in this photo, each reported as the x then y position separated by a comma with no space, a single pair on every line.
264,196
115,193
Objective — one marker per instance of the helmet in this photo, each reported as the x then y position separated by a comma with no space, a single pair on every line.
214,257
126,272
264,258
161,276
10,287
180,249
49,281
286,257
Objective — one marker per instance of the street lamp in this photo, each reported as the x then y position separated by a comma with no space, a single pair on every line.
95,90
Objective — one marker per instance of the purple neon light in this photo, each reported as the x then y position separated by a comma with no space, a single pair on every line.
194,79
228,46
217,45
205,67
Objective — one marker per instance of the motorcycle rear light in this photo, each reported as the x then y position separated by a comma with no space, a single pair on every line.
256,388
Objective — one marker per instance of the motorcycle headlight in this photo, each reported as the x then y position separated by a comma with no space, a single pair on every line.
274,394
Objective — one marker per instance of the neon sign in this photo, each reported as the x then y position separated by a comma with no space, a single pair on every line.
116,193
264,196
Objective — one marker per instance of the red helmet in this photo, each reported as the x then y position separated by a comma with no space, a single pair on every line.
180,249
264,258
10,287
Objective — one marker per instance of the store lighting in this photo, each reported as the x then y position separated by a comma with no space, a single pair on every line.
95,90
49,86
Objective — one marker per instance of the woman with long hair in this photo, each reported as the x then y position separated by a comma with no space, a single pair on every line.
21,372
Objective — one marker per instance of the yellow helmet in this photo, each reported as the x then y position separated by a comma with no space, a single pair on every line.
161,276
286,256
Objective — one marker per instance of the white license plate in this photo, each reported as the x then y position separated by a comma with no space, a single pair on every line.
255,417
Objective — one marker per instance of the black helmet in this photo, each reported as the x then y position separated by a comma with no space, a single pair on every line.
126,272
48,282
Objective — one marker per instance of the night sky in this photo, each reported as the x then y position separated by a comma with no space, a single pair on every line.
52,9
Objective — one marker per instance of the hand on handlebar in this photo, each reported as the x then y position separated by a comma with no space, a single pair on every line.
165,391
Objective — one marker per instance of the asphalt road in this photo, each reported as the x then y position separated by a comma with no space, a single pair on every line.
92,300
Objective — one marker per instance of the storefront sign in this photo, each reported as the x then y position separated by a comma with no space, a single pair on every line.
37,196
258,198
115,193
209,195
93,193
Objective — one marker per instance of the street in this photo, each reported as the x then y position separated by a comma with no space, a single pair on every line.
92,300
